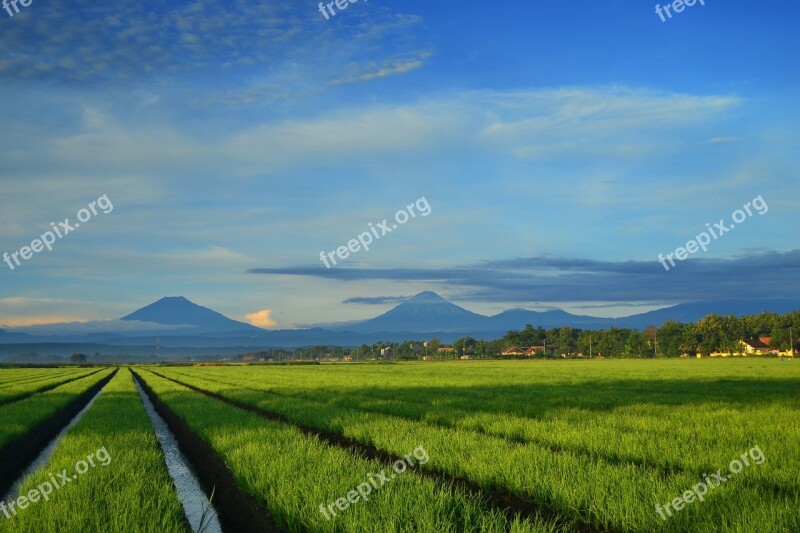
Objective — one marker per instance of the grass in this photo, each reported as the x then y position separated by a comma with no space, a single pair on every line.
597,441
14,390
301,473
12,377
18,418
133,493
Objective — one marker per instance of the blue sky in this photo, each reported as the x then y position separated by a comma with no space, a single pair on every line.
561,146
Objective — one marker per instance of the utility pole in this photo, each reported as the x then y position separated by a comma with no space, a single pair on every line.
590,346
656,342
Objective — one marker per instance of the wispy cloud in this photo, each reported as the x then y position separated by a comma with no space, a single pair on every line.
396,67
376,300
611,122
548,124
86,42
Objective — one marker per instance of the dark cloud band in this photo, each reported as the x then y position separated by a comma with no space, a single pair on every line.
755,275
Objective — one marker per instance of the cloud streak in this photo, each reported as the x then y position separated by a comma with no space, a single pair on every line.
756,275
395,68
376,300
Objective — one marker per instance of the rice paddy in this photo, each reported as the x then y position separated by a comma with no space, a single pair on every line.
510,446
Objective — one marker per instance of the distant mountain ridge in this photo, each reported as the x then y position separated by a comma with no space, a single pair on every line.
183,327
428,312
13,336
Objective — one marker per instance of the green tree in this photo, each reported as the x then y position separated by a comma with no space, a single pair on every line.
567,340
611,342
434,345
635,344
465,346
711,334
670,336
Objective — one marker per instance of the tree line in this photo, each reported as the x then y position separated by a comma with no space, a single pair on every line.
711,334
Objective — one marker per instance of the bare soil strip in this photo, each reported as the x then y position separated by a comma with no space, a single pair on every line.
17,455
510,504
237,510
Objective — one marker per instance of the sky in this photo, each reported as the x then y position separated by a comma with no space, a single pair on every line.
557,148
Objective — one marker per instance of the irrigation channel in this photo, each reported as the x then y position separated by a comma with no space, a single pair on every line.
199,511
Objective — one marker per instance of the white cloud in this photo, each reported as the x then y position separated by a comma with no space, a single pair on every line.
262,319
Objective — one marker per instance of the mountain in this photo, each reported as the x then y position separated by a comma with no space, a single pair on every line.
9,336
427,312
512,319
179,311
692,312
184,328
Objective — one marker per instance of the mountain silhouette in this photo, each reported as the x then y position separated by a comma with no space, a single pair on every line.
425,312
184,328
177,310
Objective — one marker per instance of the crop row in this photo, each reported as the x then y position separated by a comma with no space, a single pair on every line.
18,418
621,496
697,437
15,392
123,488
302,473
14,376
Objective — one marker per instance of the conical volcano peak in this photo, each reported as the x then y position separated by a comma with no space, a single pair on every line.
427,297
177,310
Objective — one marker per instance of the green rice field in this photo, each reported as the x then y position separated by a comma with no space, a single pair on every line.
523,446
